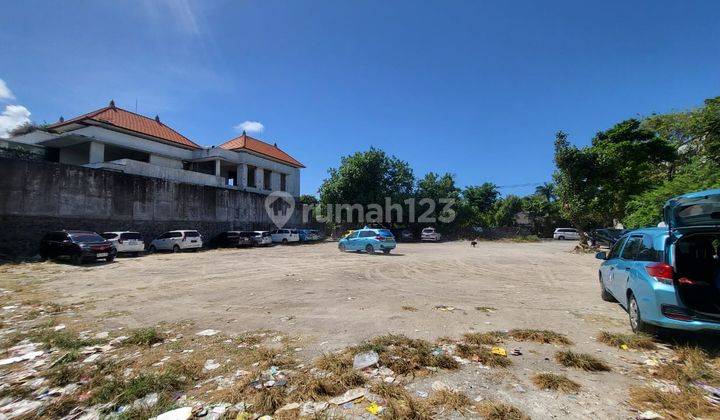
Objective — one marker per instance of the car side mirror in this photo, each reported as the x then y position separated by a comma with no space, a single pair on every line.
602,255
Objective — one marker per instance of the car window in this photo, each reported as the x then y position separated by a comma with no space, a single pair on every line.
192,234
632,247
87,238
109,235
647,251
175,235
367,233
615,251
130,235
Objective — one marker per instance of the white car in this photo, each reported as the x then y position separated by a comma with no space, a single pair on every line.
125,242
430,234
176,240
263,238
566,233
285,235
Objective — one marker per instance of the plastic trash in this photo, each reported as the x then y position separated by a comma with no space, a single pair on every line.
499,351
365,359
374,409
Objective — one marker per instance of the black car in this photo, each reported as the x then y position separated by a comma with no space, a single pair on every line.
77,245
232,239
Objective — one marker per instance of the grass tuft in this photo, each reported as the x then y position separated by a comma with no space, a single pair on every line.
493,410
450,399
688,403
144,337
539,336
405,355
555,382
633,341
409,308
400,404
582,361
487,338
483,355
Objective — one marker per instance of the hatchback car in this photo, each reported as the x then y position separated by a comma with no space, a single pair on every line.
233,239
566,233
430,234
262,238
77,245
669,276
368,240
176,240
125,242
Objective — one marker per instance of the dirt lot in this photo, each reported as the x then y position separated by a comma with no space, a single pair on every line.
329,300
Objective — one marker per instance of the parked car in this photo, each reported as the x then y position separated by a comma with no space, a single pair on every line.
262,238
669,276
177,240
562,234
407,235
77,245
308,235
368,240
125,242
232,239
285,235
430,234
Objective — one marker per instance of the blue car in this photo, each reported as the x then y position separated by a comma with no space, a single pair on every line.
368,240
669,276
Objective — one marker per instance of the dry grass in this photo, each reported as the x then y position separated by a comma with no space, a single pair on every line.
400,404
633,341
488,338
539,336
688,403
555,382
405,355
485,309
451,400
689,365
493,410
483,355
144,337
582,361
409,308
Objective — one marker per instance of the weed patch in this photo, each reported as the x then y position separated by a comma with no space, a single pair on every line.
487,338
555,382
582,361
688,403
483,355
493,410
539,336
144,337
633,341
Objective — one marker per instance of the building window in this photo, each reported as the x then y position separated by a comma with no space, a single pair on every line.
251,176
283,182
266,179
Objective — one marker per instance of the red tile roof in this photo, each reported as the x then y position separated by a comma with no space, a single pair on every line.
245,142
131,121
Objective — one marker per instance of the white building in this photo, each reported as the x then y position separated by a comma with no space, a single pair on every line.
116,139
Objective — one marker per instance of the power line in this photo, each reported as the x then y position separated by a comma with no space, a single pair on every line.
529,184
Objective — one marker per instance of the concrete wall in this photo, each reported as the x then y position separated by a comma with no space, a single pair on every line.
36,197
134,167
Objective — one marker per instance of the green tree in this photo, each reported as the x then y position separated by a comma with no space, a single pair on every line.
506,210
478,203
430,193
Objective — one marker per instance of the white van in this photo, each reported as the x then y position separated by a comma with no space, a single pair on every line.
285,235
176,240
125,242
566,233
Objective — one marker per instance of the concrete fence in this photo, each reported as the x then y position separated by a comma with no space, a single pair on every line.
37,196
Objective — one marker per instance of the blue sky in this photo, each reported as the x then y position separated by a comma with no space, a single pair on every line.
474,88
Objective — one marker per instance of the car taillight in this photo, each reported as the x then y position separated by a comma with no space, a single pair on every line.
380,238
120,241
661,271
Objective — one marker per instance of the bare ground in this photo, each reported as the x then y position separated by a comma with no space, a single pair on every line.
331,300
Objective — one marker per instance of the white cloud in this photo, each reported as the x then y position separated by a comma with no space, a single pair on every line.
5,92
12,117
250,127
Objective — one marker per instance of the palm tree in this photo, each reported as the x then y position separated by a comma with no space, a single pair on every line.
546,190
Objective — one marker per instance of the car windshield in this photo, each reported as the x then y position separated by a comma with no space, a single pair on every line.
87,238
428,230
192,234
109,235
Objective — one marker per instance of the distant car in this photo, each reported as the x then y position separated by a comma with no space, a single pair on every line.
125,242
430,234
368,240
669,276
77,245
262,238
308,235
284,236
233,239
562,234
407,235
177,240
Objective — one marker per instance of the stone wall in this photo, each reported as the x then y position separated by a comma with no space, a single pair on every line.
36,197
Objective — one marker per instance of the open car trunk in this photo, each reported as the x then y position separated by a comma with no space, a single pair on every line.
697,278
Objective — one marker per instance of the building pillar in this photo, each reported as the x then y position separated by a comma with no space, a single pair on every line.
217,167
241,177
97,152
259,178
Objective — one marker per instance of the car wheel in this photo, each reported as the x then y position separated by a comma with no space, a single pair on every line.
176,248
111,258
369,249
561,238
386,251
285,241
636,322
604,294
152,249
341,247
76,259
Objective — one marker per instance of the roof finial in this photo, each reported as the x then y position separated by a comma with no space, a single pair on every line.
244,133
112,103
275,144
61,119
157,118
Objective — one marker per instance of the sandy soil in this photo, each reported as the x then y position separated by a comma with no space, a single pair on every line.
334,299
